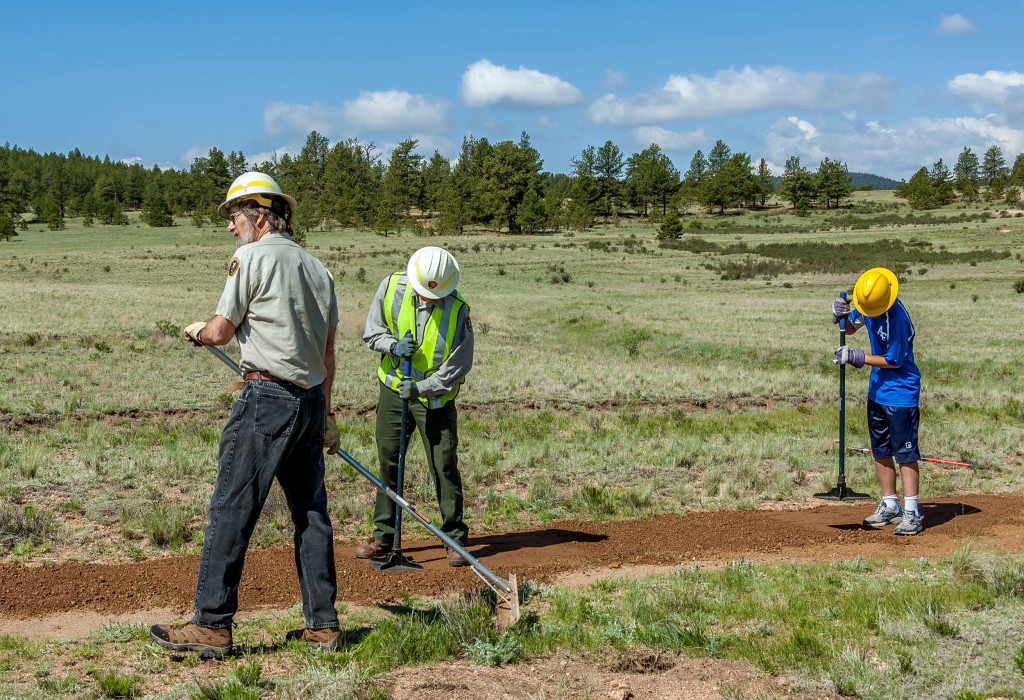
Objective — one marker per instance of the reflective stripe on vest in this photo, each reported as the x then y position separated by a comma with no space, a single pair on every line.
438,335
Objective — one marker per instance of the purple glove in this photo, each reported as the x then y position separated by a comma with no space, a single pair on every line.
847,355
840,309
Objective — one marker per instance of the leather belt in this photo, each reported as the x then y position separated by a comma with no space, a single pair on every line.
265,376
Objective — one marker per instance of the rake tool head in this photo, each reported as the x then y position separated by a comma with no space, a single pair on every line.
508,608
394,561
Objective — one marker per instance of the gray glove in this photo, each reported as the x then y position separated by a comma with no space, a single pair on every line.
840,309
404,347
408,389
851,356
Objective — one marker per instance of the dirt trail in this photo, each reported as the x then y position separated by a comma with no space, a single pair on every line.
814,534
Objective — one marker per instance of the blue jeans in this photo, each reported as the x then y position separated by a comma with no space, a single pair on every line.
274,430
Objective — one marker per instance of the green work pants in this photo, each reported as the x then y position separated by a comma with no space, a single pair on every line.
438,430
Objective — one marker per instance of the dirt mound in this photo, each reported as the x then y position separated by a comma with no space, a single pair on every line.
819,533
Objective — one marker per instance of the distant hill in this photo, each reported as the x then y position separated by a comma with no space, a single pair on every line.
876,181
863,179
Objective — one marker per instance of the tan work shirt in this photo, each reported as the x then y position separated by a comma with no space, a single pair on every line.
281,300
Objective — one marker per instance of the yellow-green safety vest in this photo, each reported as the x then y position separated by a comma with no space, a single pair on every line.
438,335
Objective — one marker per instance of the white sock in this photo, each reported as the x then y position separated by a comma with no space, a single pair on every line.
910,504
891,502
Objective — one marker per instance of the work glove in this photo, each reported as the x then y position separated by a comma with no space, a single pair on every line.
840,309
408,389
404,347
192,332
332,438
845,355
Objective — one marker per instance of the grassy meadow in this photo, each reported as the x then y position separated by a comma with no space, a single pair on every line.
614,377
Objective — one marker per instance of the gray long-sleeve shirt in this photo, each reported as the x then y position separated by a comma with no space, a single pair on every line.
378,338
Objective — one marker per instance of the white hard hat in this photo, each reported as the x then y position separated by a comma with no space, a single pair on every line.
433,272
255,186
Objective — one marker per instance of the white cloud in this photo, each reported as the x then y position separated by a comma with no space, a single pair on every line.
485,84
397,111
547,123
891,150
954,24
194,151
282,117
1003,89
385,111
613,80
256,159
147,163
739,92
669,140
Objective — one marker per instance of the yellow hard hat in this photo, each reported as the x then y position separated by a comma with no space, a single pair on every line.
875,291
256,186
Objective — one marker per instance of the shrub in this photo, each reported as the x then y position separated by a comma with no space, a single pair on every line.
27,524
1018,286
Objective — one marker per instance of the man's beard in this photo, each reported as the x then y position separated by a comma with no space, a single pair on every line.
245,238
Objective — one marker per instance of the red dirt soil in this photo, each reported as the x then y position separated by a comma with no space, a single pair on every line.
818,534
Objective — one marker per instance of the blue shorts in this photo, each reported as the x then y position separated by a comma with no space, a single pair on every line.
893,431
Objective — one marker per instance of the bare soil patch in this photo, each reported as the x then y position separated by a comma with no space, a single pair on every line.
813,534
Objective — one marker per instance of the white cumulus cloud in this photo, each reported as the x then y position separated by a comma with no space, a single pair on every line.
485,84
1003,89
393,111
397,111
954,24
613,80
896,150
670,140
737,92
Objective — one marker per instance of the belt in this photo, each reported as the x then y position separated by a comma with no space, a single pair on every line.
265,376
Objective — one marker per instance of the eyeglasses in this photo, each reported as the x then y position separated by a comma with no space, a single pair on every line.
232,216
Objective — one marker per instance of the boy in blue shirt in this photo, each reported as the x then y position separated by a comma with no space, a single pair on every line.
894,392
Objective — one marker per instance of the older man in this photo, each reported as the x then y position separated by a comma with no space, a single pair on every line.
279,303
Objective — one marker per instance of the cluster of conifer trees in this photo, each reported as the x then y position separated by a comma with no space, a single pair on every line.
500,185
938,186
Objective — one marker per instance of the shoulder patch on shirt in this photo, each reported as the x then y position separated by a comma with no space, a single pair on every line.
469,323
233,266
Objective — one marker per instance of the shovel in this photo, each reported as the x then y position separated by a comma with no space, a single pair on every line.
841,492
507,592
395,560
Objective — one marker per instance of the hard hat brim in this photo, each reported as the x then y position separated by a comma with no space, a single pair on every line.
223,209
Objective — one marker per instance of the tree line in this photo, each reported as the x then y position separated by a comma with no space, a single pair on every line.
500,185
938,186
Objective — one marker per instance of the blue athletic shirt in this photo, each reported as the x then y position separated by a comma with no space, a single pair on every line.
892,336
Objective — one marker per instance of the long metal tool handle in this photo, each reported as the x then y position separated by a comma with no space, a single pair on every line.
842,402
482,571
396,545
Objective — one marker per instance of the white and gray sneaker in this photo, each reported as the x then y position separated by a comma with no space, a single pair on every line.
910,524
884,515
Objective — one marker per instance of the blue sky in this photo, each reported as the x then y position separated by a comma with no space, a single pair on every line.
884,86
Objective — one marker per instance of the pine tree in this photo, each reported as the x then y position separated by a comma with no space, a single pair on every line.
965,172
7,227
993,165
671,227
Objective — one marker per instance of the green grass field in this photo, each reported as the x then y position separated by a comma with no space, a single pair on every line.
613,378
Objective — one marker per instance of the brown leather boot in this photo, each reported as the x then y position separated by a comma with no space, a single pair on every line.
372,548
325,639
454,558
209,643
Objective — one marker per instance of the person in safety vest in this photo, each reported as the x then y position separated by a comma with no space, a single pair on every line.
894,392
422,300
279,303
